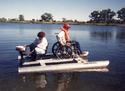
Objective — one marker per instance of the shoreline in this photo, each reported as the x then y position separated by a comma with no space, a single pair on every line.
72,23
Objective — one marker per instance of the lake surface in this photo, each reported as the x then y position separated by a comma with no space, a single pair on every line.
103,43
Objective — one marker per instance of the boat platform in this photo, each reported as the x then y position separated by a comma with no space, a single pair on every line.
63,65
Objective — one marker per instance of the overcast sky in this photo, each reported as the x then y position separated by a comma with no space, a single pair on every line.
70,9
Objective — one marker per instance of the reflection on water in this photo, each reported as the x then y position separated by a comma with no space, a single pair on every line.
120,35
63,82
70,82
102,42
108,35
36,80
101,35
42,82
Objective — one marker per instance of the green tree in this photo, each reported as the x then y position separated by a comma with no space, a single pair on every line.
121,14
21,18
47,17
64,19
95,16
107,15
104,16
3,19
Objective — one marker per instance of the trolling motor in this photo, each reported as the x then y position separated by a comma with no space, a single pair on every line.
22,52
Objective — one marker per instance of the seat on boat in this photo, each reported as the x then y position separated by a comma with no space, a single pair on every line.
39,56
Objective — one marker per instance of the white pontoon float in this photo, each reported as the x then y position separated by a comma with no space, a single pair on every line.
63,65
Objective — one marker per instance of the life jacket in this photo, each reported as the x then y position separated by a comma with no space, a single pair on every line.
67,36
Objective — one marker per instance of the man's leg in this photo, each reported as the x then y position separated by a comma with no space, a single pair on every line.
33,52
78,46
33,55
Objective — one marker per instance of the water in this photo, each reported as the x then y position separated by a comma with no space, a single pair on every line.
103,42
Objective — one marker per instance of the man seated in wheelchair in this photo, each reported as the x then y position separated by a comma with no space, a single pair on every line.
38,47
64,38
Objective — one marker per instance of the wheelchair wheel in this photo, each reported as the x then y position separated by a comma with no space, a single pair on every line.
63,53
55,48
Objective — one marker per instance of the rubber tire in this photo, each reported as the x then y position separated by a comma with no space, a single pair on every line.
54,48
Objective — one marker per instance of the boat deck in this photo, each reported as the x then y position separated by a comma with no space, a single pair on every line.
52,64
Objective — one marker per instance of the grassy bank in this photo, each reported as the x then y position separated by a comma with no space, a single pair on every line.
72,23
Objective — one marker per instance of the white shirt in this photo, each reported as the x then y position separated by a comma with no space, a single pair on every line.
61,37
41,45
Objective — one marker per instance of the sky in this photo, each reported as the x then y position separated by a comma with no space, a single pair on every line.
69,9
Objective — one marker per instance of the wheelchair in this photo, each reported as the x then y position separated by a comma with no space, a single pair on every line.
64,52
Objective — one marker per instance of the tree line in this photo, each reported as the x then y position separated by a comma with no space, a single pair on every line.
46,17
107,16
103,16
